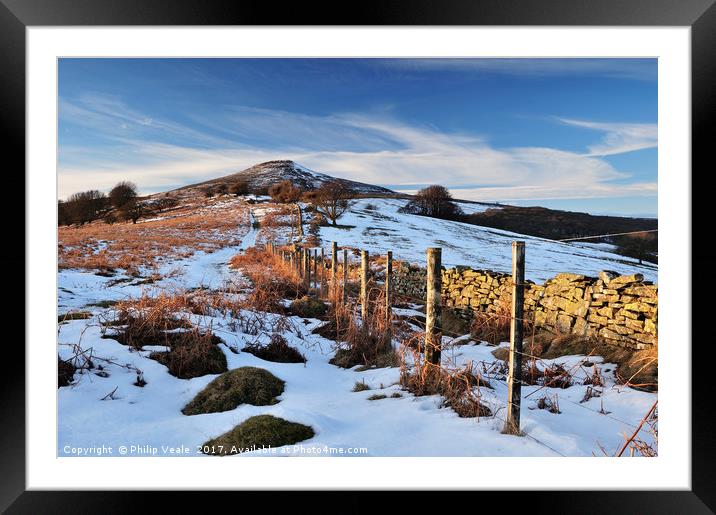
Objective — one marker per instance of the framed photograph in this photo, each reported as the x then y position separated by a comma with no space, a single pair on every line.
420,249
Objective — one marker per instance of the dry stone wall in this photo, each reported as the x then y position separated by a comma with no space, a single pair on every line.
620,309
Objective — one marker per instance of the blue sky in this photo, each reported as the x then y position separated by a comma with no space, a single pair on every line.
577,134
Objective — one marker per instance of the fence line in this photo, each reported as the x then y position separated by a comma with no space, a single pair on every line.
433,330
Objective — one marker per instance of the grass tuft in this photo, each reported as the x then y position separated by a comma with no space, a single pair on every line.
360,386
277,350
245,385
262,431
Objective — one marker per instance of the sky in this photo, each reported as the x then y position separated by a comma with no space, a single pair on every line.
575,134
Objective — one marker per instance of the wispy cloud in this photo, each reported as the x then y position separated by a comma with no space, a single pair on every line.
619,138
630,69
373,149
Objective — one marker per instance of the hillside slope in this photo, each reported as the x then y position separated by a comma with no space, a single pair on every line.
259,177
377,226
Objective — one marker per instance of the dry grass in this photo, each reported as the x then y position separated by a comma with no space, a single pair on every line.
164,320
277,350
100,246
459,388
637,369
367,343
494,327
271,278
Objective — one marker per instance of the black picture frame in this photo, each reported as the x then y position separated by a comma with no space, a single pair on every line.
17,15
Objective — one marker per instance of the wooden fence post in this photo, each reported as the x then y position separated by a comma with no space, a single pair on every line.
307,268
334,266
389,290
345,276
364,265
433,308
315,268
323,272
514,381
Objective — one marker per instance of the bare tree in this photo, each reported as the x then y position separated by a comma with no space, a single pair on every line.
63,214
85,206
285,192
133,210
122,193
332,200
435,201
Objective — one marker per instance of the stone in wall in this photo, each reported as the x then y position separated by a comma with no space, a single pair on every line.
622,309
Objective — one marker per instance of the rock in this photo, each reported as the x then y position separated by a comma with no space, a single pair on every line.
639,307
565,277
564,323
607,275
610,335
606,312
634,278
635,325
649,326
581,327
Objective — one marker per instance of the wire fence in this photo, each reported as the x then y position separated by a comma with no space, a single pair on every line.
421,324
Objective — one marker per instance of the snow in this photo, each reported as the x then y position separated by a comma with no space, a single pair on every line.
148,420
382,228
320,395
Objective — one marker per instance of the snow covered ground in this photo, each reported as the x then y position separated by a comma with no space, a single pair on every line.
378,227
320,394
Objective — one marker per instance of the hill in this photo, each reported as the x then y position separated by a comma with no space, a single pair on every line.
259,177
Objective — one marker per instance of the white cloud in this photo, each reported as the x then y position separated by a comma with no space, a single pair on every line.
620,137
358,147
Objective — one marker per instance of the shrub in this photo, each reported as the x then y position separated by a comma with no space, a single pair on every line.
277,350
245,385
262,431
239,188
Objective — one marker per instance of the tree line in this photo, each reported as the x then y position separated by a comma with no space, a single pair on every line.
121,204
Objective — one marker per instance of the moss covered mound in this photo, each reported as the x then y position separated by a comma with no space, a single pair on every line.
245,385
262,431
308,307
